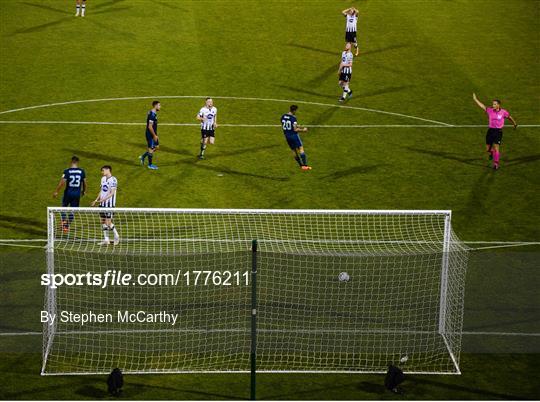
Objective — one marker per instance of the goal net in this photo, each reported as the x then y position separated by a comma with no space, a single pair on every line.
187,303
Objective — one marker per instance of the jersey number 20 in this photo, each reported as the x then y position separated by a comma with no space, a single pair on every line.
287,125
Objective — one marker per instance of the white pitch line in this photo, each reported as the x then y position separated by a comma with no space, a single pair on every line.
114,123
501,333
225,97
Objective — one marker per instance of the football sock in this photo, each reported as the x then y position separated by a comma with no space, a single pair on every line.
345,92
113,228
143,156
150,157
203,148
496,155
303,157
83,9
78,9
297,159
105,231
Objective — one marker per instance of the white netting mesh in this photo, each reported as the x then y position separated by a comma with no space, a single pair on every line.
404,297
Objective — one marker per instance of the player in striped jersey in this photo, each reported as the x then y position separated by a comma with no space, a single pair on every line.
351,14
345,71
107,199
152,140
208,118
74,178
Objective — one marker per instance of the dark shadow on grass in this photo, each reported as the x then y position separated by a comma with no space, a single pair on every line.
168,5
449,156
24,225
372,388
314,49
455,387
246,150
41,27
225,170
478,197
383,49
523,159
340,174
330,72
162,148
169,150
48,8
194,152
324,116
91,391
383,91
308,92
112,10
110,3
382,66
102,157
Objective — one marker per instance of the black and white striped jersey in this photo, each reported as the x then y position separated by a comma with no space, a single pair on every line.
347,58
351,23
107,184
209,117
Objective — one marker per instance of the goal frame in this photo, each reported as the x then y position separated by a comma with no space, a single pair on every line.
52,306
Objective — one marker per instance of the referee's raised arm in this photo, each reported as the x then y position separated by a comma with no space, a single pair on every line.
480,104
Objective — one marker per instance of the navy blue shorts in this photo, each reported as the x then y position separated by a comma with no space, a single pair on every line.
150,141
294,141
70,200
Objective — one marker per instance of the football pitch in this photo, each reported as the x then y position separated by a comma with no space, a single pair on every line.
410,137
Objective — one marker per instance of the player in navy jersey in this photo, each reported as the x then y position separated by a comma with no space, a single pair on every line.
152,139
74,178
291,129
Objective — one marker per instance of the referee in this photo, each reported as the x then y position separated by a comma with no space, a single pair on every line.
494,135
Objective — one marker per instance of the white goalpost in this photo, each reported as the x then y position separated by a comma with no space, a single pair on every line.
202,290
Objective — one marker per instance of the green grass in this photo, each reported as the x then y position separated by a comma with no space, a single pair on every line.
418,58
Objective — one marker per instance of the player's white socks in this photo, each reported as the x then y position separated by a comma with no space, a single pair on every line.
105,229
115,232
78,10
345,91
83,9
